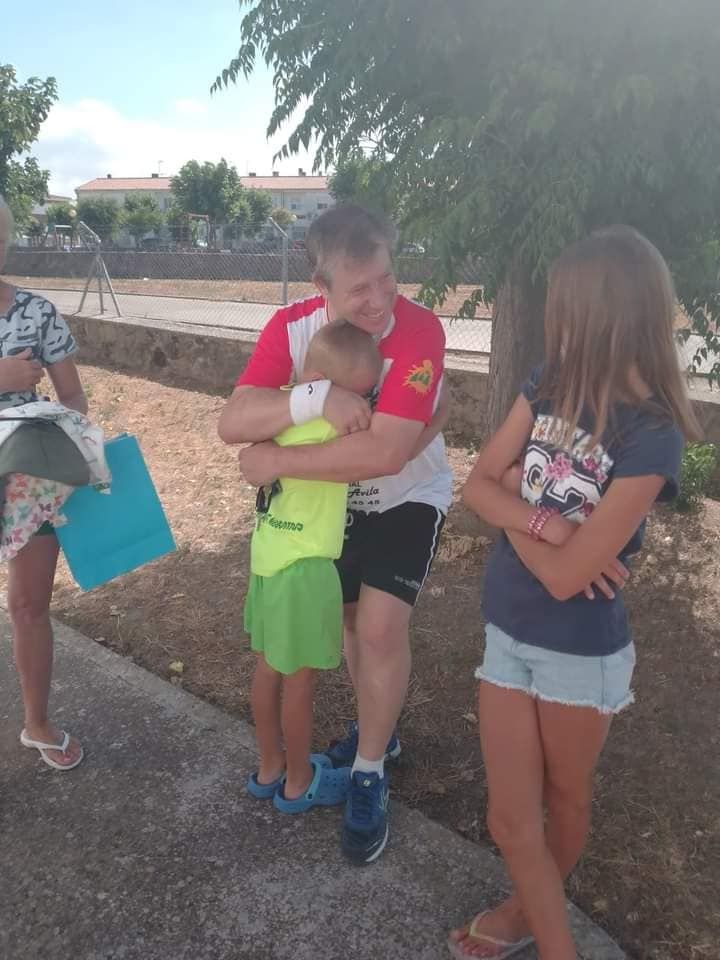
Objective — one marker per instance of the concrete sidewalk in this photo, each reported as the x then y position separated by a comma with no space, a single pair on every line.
471,336
151,851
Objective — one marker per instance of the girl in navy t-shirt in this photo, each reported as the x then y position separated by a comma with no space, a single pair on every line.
599,429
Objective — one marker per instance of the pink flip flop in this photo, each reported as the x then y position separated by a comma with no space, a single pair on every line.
44,747
505,947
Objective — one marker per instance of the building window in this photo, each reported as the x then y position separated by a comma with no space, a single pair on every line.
322,206
295,206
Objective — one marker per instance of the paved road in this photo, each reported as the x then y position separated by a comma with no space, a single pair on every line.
465,336
471,336
152,851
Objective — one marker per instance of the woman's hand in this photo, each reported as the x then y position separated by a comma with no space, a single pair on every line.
558,531
615,573
20,374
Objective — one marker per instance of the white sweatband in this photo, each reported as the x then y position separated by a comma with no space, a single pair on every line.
307,400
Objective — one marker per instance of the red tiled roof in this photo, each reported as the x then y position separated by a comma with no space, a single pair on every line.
163,183
285,183
126,183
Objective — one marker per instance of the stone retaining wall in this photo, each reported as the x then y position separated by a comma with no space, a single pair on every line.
210,362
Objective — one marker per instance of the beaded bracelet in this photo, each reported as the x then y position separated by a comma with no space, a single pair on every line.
538,519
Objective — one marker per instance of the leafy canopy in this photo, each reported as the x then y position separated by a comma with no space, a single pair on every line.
140,215
215,190
23,108
100,214
511,127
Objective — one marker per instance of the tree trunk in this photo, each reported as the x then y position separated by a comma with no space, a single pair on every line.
517,344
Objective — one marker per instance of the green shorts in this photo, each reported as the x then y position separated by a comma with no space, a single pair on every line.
295,618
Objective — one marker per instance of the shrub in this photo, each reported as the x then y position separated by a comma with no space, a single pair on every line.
699,463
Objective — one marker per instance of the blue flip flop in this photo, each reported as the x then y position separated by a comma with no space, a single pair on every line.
328,788
266,791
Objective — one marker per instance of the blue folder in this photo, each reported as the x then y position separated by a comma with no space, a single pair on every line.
108,534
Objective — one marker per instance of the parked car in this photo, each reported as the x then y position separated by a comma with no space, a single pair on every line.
413,249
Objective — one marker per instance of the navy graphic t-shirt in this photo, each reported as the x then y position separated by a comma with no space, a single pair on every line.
637,443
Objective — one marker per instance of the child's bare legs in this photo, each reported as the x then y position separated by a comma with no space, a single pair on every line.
569,740
297,727
282,709
265,701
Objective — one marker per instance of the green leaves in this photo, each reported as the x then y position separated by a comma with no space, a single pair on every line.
23,108
214,190
503,131
61,214
141,215
100,214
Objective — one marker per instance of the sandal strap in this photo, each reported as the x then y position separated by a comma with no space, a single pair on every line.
477,935
315,782
39,745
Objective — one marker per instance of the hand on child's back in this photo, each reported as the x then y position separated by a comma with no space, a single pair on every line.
346,411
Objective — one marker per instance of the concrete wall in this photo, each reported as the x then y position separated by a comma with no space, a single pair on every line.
127,264
210,362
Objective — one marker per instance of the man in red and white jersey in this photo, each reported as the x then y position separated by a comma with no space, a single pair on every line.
390,450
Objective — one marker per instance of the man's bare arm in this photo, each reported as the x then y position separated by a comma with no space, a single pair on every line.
381,451
254,414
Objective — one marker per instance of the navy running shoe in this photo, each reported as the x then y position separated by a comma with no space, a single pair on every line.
365,825
342,752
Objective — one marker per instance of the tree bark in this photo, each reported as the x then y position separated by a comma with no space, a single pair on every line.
517,344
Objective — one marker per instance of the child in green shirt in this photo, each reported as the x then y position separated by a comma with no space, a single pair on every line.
293,608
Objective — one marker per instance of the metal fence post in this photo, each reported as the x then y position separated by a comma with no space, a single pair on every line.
284,264
285,254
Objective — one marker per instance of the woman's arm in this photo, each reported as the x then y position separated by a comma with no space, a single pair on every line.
66,381
486,493
592,550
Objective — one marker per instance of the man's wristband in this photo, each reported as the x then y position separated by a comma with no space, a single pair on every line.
307,401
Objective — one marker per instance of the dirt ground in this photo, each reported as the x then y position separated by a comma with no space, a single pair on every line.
652,870
249,291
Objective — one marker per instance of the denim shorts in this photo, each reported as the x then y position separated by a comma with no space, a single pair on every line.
602,683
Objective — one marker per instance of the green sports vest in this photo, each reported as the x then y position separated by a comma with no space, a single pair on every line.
306,518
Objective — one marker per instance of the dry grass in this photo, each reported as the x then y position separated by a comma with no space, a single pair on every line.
652,868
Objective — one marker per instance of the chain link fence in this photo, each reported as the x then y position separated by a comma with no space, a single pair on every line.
237,289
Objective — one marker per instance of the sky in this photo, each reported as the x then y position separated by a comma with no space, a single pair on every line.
134,83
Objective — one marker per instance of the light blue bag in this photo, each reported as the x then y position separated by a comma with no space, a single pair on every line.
108,534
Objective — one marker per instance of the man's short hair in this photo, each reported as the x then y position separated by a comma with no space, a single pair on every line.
349,231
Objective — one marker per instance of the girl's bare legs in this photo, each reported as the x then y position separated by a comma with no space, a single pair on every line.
30,583
571,739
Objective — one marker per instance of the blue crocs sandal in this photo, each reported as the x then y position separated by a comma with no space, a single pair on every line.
266,791
328,788
262,791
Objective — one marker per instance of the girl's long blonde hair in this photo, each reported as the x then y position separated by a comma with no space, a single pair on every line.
609,316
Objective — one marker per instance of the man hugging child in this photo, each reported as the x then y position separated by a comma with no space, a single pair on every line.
294,607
